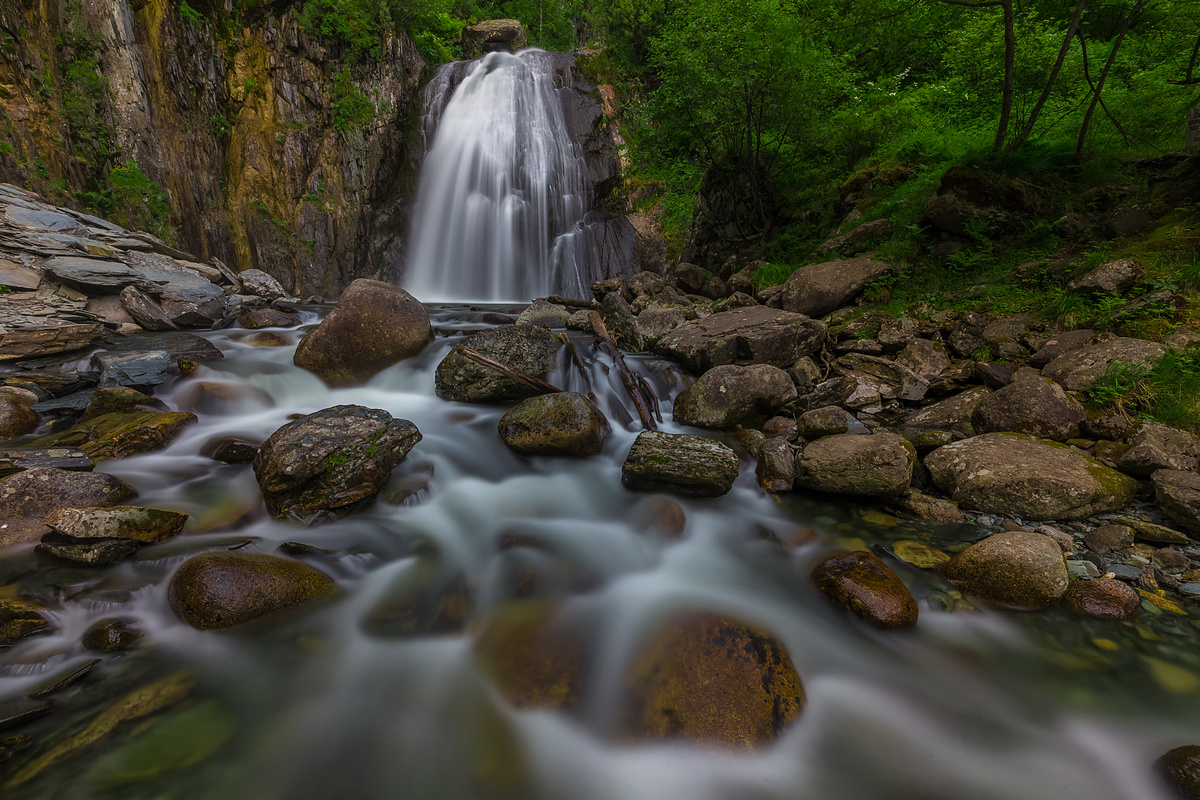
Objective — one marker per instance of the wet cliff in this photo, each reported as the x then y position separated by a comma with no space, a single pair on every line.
237,136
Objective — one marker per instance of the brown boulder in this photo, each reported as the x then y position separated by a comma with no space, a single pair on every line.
221,590
818,289
28,498
862,584
1020,569
1105,598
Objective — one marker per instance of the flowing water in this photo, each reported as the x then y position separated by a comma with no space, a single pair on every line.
338,703
504,201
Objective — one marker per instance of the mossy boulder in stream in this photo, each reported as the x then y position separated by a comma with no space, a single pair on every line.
731,395
374,325
710,679
862,584
1013,473
534,653
879,465
562,424
1180,768
1021,570
323,465
221,590
29,497
677,462
527,348
120,435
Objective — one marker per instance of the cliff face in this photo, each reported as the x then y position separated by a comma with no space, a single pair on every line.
274,150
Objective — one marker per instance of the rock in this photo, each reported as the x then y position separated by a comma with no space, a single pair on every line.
426,600
1183,339
934,509
659,515
231,450
266,339
141,371
656,322
19,617
1108,538
1079,370
493,35
270,318
121,435
145,310
530,349
48,341
119,400
1157,446
728,396
57,457
1144,531
967,335
1060,344
675,462
544,314
323,465
374,325
1106,598
889,379
1030,404
862,584
534,653
1013,473
954,413
712,680
776,468
925,358
995,376
699,281
259,284
28,497
563,424
621,323
754,335
856,240
18,419
1163,302
818,289
879,465
1114,277
147,525
1180,768
1111,427
646,283
99,553
221,590
1178,494
110,635
1020,570
827,421
896,334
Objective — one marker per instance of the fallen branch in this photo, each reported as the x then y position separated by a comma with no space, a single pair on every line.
643,397
567,301
537,384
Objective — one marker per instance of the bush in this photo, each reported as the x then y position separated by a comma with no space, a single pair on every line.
138,202
351,107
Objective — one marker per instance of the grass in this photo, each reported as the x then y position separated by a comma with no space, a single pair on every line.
1169,393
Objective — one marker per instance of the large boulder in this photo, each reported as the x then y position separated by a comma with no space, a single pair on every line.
677,462
1178,495
324,465
754,335
1030,404
880,465
818,289
221,590
119,435
1114,277
1079,370
710,679
29,497
1014,473
374,325
259,284
730,395
1021,570
529,349
493,35
952,414
862,584
1156,446
891,380
562,424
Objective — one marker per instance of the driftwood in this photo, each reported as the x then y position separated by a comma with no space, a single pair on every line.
575,359
537,384
643,397
567,301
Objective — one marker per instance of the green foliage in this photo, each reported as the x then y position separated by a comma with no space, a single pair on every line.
221,126
190,14
351,106
1168,393
138,202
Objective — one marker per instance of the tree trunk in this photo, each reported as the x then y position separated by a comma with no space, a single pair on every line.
1112,56
1010,60
1020,138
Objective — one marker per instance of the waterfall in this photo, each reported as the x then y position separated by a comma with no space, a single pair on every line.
504,201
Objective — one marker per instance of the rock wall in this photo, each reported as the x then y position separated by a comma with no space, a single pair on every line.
236,122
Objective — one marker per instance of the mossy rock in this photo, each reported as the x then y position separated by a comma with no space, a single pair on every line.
562,424
1020,570
679,463
862,584
527,348
221,590
534,653
175,742
119,400
27,498
713,680
121,435
879,465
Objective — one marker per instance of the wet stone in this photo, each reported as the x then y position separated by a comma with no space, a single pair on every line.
19,618
862,584
111,634
1180,768
146,525
1014,570
56,457
231,451
19,710
561,424
99,553
69,677
28,497
689,465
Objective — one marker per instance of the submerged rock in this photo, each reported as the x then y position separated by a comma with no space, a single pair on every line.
374,325
1180,768
879,465
1012,473
676,462
728,396
526,348
98,553
1021,570
713,680
221,590
19,617
562,424
1106,598
111,634
534,654
28,498
323,465
862,584
260,284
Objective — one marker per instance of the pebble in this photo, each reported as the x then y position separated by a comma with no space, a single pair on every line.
1189,588
1125,572
1083,569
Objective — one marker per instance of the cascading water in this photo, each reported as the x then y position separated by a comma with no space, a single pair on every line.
504,202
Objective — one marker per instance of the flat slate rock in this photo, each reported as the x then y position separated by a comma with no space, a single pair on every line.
676,462
47,341
93,273
59,457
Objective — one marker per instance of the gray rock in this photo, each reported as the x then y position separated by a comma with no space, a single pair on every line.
826,421
141,371
679,463
967,335
221,590
1156,446
545,314
1059,344
621,323
1079,370
1113,277
99,553
1015,570
257,283
527,348
732,395
952,414
818,289
323,465
92,273
59,457
896,334
925,358
755,335
889,379
1030,404
562,424
146,525
1183,339
28,497
655,322
1011,473
776,467
879,465
1178,494
493,35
